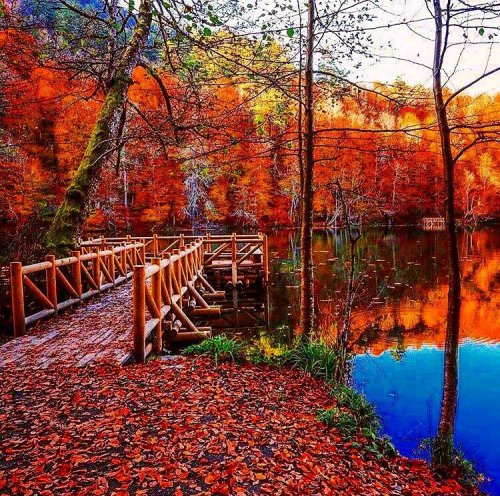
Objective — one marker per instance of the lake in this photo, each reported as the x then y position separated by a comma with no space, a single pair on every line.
398,328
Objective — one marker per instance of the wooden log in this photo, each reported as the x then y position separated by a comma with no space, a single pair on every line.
89,277
96,272
17,295
216,253
265,258
177,271
234,261
51,280
105,271
156,290
183,317
139,308
155,245
186,336
67,285
206,284
76,273
111,267
197,296
211,312
37,293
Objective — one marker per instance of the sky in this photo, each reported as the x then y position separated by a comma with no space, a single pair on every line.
416,43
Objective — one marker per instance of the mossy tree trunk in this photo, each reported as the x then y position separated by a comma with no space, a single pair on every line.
70,216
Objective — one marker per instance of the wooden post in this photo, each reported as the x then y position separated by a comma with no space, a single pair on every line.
76,273
181,241
111,265
234,266
209,244
178,271
155,245
143,251
139,317
123,260
17,295
97,268
168,278
265,258
156,293
51,281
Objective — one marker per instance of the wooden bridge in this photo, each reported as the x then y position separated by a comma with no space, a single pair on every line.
433,223
176,282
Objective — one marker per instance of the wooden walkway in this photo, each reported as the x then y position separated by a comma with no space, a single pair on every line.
98,331
85,309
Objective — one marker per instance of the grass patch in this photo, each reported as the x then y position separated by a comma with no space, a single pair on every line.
315,358
220,348
353,415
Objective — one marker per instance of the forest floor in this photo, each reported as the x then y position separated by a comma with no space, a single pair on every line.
182,426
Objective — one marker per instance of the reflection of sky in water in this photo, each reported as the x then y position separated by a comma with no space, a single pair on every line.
407,395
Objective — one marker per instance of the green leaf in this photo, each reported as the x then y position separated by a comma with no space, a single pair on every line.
290,32
131,5
481,31
207,31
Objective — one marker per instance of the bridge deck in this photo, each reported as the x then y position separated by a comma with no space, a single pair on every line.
97,331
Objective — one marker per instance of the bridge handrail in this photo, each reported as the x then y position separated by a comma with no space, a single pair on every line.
86,275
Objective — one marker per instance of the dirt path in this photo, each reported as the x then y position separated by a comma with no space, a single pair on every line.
97,331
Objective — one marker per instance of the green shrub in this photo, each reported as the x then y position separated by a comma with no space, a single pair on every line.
316,358
355,414
220,348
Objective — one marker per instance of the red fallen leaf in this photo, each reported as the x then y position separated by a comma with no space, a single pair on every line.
63,470
222,489
211,478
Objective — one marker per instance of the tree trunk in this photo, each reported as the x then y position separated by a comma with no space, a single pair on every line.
306,268
70,216
443,447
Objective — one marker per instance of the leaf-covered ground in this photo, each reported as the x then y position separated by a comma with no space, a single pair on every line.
184,427
97,331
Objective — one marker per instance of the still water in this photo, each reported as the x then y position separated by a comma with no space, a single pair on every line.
398,328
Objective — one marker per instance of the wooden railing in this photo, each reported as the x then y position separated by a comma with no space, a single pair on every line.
68,281
223,252
164,292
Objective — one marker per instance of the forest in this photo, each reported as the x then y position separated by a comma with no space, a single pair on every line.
249,247
207,139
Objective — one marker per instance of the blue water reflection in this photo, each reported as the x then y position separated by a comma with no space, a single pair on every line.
407,394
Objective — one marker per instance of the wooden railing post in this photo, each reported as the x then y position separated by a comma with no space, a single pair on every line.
123,259
96,263
234,266
181,241
178,271
76,273
168,279
111,265
139,317
51,281
265,258
209,244
17,295
143,251
156,293
155,245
